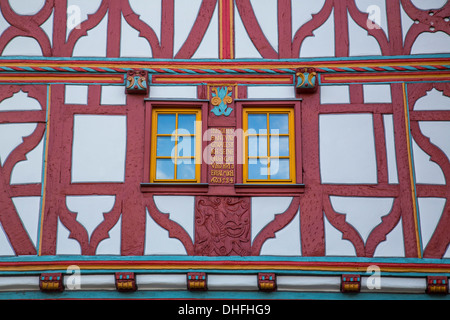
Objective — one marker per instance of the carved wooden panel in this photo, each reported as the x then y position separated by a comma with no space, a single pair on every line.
222,226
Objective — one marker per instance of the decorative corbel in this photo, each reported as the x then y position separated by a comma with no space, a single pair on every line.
267,281
350,283
437,284
196,281
306,80
137,82
125,281
51,282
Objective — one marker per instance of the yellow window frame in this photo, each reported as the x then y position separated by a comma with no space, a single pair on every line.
290,134
198,143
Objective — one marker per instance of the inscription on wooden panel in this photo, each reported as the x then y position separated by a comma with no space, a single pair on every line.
221,163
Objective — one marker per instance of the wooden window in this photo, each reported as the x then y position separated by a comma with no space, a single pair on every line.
176,145
269,145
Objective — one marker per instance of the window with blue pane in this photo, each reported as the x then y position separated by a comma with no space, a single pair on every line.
269,145
175,145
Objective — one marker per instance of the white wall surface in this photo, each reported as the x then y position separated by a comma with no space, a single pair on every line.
347,148
99,147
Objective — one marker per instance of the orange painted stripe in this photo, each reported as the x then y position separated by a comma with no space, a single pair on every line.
228,265
411,174
44,182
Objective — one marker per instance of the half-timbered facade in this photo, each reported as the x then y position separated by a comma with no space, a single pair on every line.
224,149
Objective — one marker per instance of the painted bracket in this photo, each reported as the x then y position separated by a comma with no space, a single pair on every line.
137,82
437,284
350,283
267,281
196,281
51,282
125,281
306,80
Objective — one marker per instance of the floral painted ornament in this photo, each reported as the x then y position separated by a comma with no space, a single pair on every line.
221,97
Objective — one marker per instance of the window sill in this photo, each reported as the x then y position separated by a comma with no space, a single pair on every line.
174,188
240,189
283,189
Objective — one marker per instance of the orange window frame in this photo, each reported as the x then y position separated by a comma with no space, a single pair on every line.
197,138
291,134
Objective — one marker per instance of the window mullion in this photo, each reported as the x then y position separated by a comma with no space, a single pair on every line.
268,146
175,160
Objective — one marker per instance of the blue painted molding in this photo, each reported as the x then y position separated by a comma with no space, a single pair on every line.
208,295
60,258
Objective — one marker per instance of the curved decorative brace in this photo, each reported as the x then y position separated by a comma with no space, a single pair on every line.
279,222
175,230
78,232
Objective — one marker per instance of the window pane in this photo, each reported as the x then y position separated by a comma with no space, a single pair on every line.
257,169
165,146
186,123
186,169
279,168
279,146
279,123
165,169
257,146
257,122
186,146
166,123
